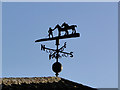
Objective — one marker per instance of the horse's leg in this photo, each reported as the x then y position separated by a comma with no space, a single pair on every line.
67,32
73,30
59,32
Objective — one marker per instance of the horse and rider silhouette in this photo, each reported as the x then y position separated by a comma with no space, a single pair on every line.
64,27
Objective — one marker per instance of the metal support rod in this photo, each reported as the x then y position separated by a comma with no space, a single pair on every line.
56,74
57,43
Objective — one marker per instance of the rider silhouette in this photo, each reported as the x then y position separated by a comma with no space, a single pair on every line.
50,32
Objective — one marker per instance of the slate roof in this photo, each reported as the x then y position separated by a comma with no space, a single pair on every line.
41,83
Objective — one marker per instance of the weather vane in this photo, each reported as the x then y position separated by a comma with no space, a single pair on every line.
59,52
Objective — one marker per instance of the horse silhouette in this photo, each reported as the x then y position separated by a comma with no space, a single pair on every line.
60,29
66,26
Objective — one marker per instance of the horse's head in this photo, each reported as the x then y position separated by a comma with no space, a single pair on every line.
57,26
64,24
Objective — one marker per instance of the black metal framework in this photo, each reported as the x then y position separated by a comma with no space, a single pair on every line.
59,52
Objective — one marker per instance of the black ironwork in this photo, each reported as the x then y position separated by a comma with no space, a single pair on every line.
59,52
54,53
